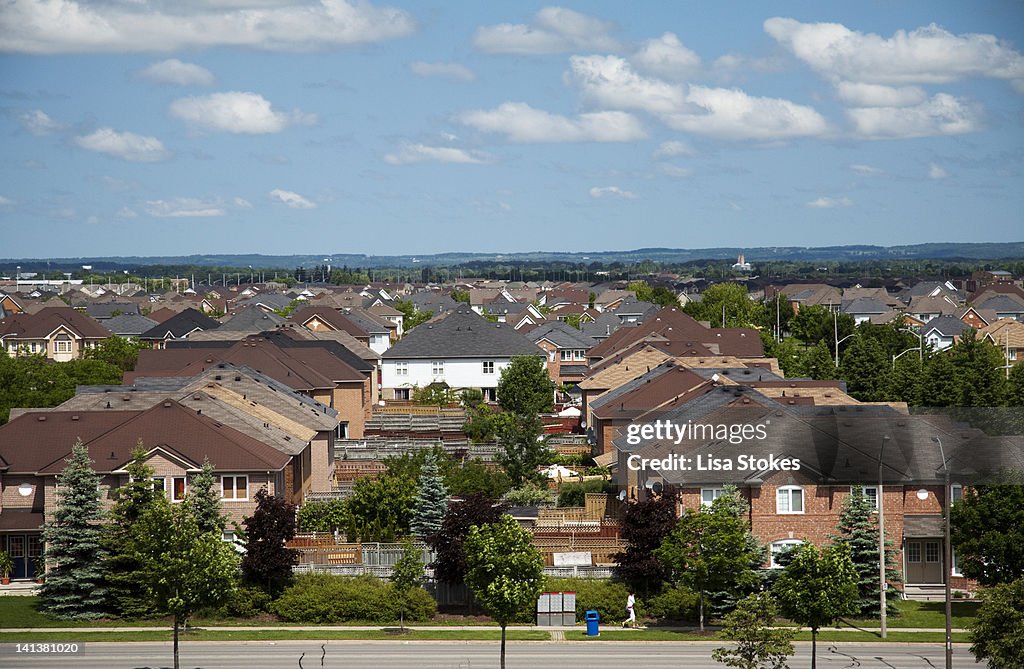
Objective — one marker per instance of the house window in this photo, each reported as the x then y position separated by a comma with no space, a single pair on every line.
341,432
234,487
780,547
871,492
490,394
789,499
956,564
709,495
178,488
401,368
1012,354
160,485
402,394
565,355
437,367
931,551
956,492
914,551
62,346
578,354
488,366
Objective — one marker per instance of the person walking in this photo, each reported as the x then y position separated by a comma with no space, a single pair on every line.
630,620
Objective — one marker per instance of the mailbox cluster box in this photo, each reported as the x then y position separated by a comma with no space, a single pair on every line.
556,608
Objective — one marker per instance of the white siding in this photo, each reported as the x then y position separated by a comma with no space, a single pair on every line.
458,373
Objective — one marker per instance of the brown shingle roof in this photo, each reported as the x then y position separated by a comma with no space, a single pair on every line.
44,322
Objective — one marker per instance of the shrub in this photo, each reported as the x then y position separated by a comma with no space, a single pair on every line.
574,494
608,598
677,603
246,601
326,599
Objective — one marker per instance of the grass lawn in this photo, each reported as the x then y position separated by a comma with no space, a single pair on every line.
666,635
923,614
280,635
21,612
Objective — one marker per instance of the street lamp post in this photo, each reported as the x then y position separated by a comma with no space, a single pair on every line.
947,556
899,355
881,541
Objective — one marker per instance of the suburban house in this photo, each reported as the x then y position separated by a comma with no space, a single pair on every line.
460,349
943,331
129,326
864,308
177,441
837,447
1002,305
566,348
1008,336
179,326
58,333
322,370
925,307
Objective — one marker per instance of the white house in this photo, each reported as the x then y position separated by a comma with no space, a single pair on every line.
462,350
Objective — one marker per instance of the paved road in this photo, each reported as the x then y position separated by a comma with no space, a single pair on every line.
466,655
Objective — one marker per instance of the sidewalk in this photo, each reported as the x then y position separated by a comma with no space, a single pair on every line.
427,628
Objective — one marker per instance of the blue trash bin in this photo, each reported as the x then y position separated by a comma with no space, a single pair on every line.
592,620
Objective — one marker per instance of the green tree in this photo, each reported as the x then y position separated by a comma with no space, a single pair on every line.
525,387
123,566
987,530
817,587
380,509
411,315
471,398
73,538
450,561
473,476
819,363
740,310
523,449
660,295
460,296
1015,386
759,644
998,630
183,569
117,351
977,363
906,381
203,500
407,574
505,572
866,369
787,352
434,394
709,551
431,500
858,529
268,561
817,323
322,516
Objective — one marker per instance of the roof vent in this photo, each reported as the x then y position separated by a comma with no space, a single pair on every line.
108,404
75,417
197,396
167,405
42,419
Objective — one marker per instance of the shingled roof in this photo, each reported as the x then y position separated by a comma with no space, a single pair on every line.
462,334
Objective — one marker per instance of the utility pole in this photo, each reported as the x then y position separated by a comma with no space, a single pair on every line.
882,584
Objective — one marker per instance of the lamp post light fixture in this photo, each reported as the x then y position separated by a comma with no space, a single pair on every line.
947,556
899,355
882,584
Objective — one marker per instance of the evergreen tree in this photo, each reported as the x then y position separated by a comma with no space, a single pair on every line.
978,363
721,602
203,500
431,500
73,537
1015,386
906,381
941,386
123,565
858,529
268,561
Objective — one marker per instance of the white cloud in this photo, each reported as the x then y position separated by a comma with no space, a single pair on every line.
418,153
609,81
942,115
127,212
936,172
733,114
830,202
242,203
673,148
730,63
929,54
554,30
39,123
666,57
453,71
173,71
866,170
520,122
4,201
858,94
74,26
671,170
184,207
236,112
612,192
125,145
293,200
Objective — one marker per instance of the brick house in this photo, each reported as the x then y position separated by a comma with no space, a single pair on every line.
177,441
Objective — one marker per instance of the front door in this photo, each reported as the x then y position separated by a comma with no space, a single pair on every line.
924,561
24,550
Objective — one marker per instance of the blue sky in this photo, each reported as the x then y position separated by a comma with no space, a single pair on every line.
149,127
